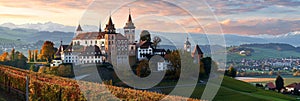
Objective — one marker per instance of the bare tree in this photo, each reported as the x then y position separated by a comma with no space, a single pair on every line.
156,41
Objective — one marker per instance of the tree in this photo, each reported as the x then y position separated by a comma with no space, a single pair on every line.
47,51
29,56
156,41
145,36
12,54
3,57
143,68
279,82
174,58
231,72
35,55
207,62
21,61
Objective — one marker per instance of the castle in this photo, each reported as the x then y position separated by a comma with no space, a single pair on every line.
106,46
110,46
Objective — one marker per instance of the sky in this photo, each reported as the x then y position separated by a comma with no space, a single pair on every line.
245,17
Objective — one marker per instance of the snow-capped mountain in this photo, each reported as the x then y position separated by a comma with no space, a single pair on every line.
170,38
49,26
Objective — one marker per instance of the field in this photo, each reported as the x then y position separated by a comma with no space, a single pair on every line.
261,53
287,81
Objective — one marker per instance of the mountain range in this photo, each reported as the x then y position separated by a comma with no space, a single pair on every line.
56,32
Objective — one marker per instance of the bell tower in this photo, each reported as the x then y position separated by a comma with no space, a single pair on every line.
129,29
187,45
78,30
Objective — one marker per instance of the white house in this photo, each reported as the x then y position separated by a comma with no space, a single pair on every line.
162,66
55,63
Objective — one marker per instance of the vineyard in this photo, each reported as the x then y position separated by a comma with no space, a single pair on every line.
44,87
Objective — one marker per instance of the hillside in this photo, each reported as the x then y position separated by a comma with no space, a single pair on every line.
53,88
231,89
31,35
263,51
274,46
4,41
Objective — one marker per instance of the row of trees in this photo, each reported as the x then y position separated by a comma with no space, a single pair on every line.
14,58
46,53
178,59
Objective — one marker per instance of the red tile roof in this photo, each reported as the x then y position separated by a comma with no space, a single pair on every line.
89,35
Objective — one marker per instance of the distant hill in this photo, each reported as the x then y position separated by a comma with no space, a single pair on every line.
32,36
274,46
263,51
32,32
4,41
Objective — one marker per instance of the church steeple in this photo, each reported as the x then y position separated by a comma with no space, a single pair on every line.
110,27
187,45
79,28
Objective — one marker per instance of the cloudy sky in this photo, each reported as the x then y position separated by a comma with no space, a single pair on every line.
246,17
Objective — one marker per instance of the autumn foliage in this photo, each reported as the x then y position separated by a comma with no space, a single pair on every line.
44,87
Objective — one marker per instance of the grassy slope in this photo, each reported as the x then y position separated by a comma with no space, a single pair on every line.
287,81
247,88
261,53
234,90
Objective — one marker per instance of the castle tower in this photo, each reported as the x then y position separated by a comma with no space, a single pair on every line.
110,40
187,45
110,27
129,29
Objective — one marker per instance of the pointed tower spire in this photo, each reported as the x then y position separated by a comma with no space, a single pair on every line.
79,28
129,18
100,29
129,23
110,27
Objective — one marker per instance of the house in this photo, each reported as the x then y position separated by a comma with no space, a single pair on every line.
162,66
145,50
56,62
197,54
270,86
290,87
